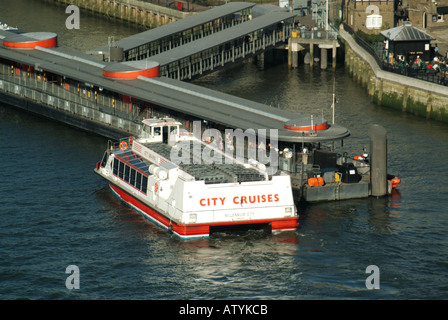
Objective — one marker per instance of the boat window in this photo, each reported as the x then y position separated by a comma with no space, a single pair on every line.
132,180
115,170
130,175
121,170
147,129
157,131
126,173
104,161
173,130
138,181
144,184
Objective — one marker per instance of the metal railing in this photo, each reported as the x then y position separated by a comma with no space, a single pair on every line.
364,45
423,73
34,88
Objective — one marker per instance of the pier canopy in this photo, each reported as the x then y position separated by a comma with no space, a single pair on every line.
30,40
408,42
168,36
235,43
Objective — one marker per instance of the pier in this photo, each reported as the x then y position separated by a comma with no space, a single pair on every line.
111,98
178,33
308,37
207,41
120,94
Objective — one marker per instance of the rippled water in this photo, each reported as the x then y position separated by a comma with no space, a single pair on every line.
56,212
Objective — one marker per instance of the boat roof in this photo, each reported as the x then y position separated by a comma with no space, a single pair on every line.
161,122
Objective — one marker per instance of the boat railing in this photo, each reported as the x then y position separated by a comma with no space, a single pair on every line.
112,145
121,144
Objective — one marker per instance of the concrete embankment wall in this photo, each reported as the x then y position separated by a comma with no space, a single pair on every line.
138,12
403,93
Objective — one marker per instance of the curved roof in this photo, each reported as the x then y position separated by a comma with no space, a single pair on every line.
132,69
30,40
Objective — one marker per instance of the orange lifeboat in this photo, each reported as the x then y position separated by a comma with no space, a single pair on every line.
317,181
394,179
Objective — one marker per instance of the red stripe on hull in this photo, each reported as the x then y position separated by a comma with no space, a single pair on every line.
141,206
200,230
285,224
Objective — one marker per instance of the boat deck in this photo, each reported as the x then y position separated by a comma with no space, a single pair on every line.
216,172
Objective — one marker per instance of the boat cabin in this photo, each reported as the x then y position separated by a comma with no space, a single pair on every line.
164,130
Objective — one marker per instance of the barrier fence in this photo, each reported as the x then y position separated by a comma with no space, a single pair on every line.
436,75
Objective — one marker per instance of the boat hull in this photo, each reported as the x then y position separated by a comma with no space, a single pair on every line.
196,230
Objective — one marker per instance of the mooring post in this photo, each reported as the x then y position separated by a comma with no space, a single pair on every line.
290,52
378,160
295,54
323,58
312,54
334,52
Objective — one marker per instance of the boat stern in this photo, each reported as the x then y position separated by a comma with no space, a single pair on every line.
205,207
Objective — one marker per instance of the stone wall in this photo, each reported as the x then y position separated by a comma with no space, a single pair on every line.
138,12
402,93
357,12
423,14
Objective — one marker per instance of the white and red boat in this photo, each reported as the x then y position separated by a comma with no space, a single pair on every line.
192,199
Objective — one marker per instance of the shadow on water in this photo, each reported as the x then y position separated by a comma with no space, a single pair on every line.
332,216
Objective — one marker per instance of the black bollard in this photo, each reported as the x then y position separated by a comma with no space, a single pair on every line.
378,160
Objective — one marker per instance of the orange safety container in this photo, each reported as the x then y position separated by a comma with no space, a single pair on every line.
317,181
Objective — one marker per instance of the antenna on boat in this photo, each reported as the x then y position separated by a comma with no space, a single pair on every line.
332,107
333,102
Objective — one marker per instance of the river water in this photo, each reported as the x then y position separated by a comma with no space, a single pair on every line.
56,212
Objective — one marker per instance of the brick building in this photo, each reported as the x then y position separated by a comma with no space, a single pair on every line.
376,15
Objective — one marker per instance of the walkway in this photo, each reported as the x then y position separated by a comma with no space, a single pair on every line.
206,41
155,41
